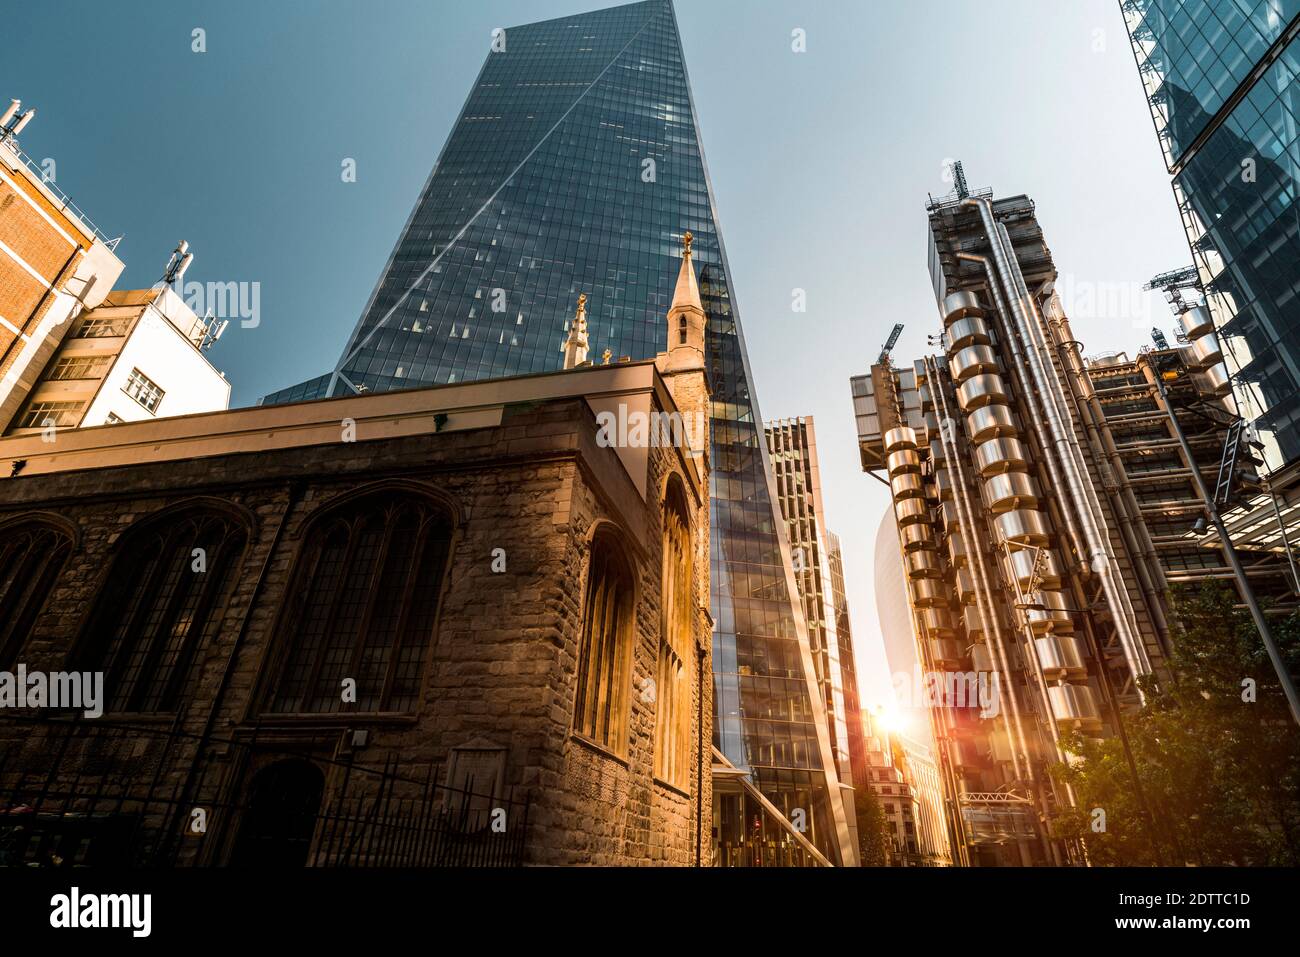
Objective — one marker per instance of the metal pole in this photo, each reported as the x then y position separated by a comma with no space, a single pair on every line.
1286,542
1243,585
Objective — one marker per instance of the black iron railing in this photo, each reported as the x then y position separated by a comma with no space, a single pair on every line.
97,793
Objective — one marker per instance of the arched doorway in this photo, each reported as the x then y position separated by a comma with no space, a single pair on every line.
280,818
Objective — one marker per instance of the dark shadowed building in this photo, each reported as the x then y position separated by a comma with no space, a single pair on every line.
465,624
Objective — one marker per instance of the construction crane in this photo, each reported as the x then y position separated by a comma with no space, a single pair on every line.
959,179
889,344
1173,283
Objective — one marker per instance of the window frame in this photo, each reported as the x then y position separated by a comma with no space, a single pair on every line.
96,638
144,386
312,540
13,642
609,546
675,660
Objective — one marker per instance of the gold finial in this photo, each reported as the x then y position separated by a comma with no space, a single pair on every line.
686,244
582,303
606,356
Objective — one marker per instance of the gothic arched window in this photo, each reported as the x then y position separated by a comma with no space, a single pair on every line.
161,603
605,653
362,607
31,555
676,641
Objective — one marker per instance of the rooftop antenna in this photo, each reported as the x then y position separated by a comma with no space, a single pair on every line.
212,330
14,119
174,274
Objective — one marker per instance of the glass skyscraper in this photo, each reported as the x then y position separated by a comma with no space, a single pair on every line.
1221,78
575,167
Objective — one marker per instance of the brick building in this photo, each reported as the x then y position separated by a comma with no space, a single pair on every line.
460,624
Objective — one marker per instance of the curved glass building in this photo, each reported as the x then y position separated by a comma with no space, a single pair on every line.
1221,80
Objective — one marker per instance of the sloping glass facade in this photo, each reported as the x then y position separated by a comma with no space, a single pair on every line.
1221,78
575,167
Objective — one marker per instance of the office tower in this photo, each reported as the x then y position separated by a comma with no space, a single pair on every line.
819,572
140,354
73,351
574,169
919,770
897,797
897,632
1028,585
1221,80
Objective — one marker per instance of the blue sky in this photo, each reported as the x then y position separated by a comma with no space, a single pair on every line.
821,162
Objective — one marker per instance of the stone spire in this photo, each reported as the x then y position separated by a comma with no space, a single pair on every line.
687,293
682,366
686,316
575,347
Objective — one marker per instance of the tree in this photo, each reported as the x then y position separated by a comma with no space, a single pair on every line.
1217,755
873,830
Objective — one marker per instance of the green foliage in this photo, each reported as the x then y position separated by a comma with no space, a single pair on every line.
1220,773
873,830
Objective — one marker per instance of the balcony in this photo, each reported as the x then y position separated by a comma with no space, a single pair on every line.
917,536
1010,490
1205,352
1022,527
907,485
972,361
1021,566
928,593
981,390
924,563
991,422
1074,706
938,622
1215,380
1060,656
903,437
909,511
947,653
1052,617
959,305
904,460
1195,322
1001,455
971,331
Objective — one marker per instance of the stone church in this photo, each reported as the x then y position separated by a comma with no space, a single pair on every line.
450,625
